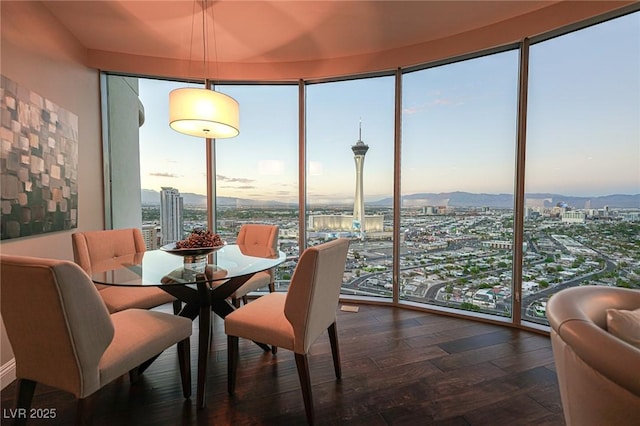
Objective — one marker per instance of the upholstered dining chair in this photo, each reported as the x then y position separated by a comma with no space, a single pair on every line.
294,320
63,336
256,235
92,247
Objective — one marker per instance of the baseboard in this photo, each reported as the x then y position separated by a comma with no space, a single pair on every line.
7,373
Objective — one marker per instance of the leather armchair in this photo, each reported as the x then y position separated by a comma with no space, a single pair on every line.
598,373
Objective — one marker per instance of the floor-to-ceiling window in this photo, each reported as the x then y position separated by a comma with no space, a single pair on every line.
257,171
458,153
349,153
583,162
458,140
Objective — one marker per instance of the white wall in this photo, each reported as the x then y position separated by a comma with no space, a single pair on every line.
37,53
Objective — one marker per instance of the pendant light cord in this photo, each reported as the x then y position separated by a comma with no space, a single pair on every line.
205,39
215,44
193,19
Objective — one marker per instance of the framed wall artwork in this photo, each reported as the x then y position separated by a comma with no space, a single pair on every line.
38,163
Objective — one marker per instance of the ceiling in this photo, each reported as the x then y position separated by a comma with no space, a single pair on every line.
267,30
283,32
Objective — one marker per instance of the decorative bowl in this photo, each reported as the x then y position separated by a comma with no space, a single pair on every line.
194,258
192,251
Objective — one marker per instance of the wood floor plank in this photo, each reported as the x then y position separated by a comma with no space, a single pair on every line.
520,409
479,341
527,360
473,357
442,334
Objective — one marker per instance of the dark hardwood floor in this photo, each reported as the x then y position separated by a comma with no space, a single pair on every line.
399,367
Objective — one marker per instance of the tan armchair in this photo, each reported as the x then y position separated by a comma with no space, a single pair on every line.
63,336
92,247
295,320
256,235
598,373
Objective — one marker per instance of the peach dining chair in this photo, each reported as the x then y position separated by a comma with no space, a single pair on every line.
92,247
63,336
294,320
256,235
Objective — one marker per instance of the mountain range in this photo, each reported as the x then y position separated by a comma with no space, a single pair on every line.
452,199
467,199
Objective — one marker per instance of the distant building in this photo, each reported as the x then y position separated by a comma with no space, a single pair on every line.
573,216
359,151
171,215
150,235
630,217
429,210
530,213
358,223
334,222
495,244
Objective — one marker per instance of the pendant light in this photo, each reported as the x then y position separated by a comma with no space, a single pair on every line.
203,112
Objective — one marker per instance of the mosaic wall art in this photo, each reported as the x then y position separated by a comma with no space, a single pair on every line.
38,163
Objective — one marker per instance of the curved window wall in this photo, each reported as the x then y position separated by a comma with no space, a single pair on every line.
457,143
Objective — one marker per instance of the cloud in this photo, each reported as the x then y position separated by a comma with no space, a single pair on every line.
436,100
165,175
221,178
442,101
413,109
239,187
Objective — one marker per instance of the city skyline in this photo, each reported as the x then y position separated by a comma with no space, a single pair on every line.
458,133
457,199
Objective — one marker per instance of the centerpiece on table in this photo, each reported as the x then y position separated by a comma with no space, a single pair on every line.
195,248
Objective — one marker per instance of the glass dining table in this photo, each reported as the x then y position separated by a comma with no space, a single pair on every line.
203,289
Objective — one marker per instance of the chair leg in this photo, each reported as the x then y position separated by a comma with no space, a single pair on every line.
184,359
335,349
305,382
272,288
245,299
26,388
84,410
232,363
177,306
134,374
235,302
